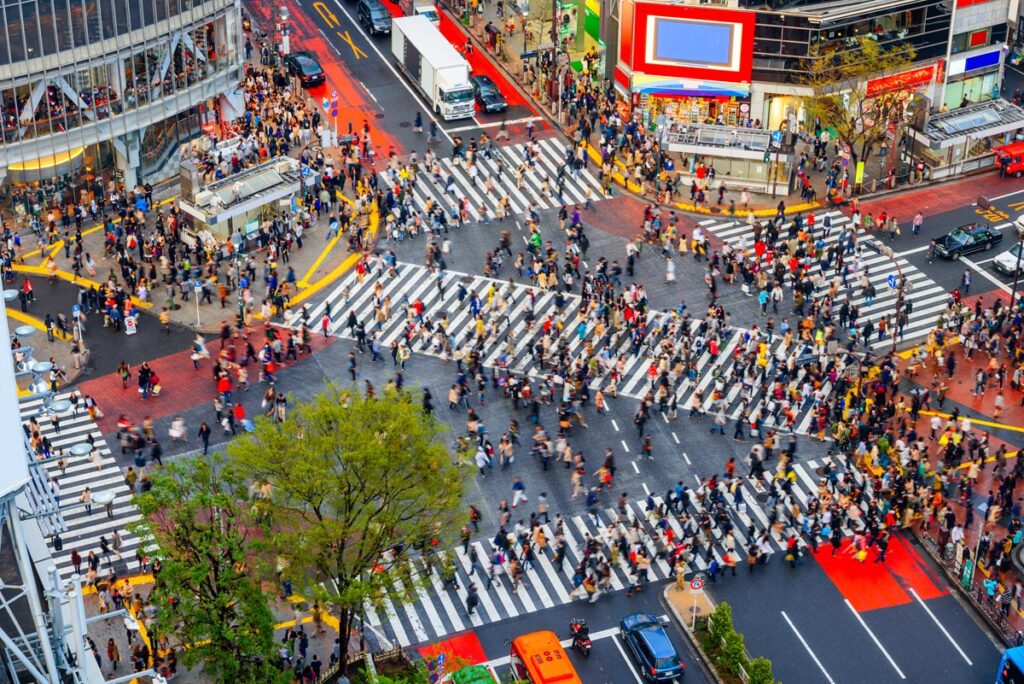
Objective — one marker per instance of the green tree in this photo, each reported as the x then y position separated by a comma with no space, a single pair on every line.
837,76
721,622
206,599
734,652
352,486
760,671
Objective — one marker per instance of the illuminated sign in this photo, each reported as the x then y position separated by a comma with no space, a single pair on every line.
915,78
687,41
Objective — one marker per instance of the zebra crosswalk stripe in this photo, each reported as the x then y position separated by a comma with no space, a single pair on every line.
927,297
579,186
84,530
413,283
544,586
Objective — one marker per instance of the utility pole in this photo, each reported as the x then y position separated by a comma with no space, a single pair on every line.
886,251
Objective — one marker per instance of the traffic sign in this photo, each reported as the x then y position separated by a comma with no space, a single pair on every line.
129,325
327,105
334,112
334,94
846,148
892,281
696,584
777,137
440,658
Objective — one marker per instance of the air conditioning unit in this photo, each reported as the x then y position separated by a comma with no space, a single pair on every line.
203,198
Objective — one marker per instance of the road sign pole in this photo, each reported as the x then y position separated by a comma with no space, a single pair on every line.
693,626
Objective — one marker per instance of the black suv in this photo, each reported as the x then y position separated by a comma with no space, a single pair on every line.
373,16
306,67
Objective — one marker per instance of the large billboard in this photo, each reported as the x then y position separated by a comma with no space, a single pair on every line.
687,41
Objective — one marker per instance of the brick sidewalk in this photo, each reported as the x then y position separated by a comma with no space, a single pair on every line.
183,387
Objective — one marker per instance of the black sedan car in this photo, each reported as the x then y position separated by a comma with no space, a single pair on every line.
653,650
306,67
487,95
966,239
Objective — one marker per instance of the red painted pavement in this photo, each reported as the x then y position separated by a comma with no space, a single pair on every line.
182,387
460,650
943,197
354,105
869,585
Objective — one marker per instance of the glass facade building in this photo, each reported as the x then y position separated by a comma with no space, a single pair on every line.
95,88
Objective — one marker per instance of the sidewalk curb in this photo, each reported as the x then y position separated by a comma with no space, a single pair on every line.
702,657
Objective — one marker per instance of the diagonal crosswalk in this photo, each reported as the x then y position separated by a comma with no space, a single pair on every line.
102,476
511,320
927,298
496,177
435,611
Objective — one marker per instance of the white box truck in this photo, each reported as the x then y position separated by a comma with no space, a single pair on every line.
415,8
433,65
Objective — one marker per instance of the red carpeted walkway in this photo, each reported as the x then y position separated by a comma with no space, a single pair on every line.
182,386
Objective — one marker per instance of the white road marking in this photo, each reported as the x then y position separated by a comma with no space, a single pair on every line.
808,648
625,447
875,639
615,425
625,657
647,490
333,46
913,251
985,274
493,124
566,643
405,83
675,437
686,458
636,468
941,628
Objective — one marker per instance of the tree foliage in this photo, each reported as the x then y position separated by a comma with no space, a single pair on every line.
205,597
760,671
837,75
352,486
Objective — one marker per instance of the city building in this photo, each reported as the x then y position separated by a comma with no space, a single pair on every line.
100,90
743,63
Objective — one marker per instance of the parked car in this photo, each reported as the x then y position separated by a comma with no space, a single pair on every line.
373,16
306,67
1008,261
966,239
487,95
651,648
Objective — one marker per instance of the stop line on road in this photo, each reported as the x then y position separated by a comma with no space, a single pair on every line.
553,156
414,283
927,298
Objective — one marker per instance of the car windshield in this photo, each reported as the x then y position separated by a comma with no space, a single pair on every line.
456,96
309,67
959,236
486,88
379,13
431,15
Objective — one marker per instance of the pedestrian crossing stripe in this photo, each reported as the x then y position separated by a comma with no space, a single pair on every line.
84,530
436,611
580,185
412,283
928,299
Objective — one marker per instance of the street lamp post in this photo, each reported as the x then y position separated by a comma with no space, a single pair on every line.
1016,270
886,251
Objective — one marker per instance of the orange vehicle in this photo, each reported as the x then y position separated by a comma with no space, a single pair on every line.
539,658
1010,159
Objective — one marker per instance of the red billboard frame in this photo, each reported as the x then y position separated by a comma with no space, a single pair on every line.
636,26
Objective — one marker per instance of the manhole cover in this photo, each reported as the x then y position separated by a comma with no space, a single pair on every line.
820,470
761,496
694,609
378,116
715,210
405,124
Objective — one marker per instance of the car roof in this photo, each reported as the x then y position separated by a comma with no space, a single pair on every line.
634,620
657,640
483,79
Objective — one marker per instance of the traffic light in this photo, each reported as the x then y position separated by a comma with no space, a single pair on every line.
767,155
